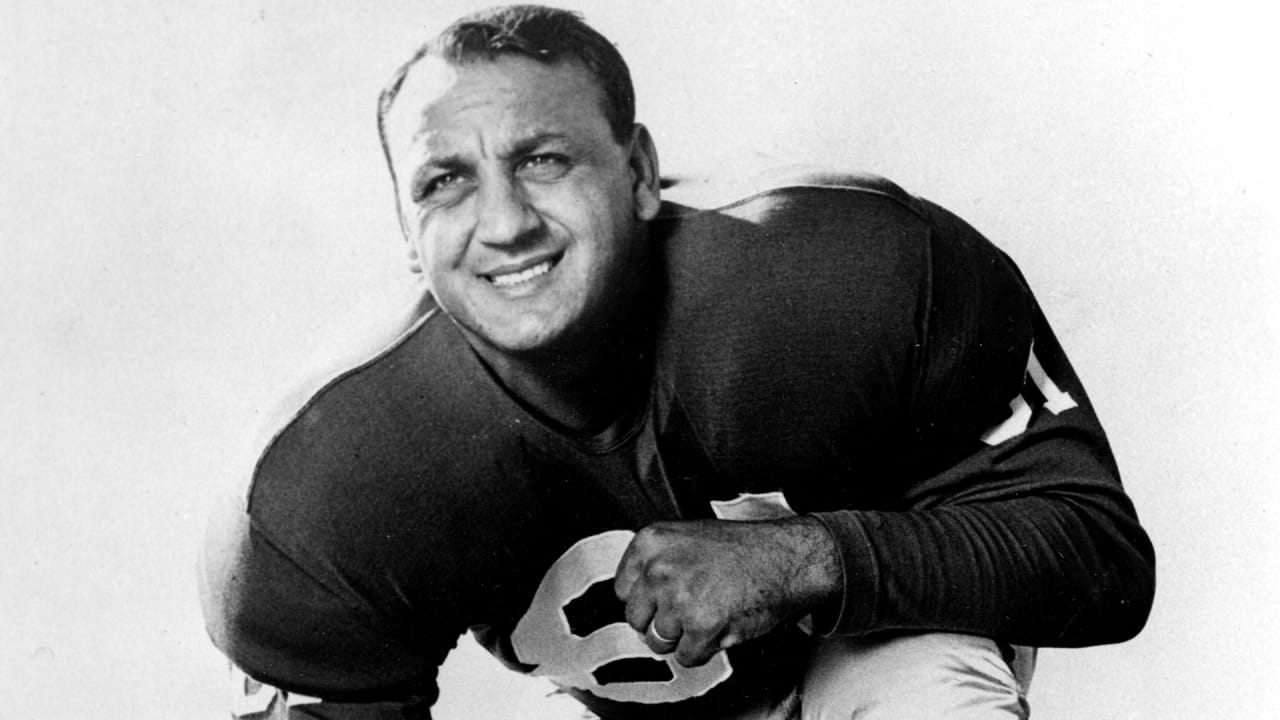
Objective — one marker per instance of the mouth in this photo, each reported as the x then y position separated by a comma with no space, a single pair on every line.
519,276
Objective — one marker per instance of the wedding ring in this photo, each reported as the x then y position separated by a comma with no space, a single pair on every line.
653,633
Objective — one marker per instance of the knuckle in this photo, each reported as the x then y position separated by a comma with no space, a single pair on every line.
646,537
731,639
692,657
702,620
637,616
623,585
659,570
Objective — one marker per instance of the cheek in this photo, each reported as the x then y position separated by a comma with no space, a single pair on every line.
440,246
615,240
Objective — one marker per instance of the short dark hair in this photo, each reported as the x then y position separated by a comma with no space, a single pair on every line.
547,35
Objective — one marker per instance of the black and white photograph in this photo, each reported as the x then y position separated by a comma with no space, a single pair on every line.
730,360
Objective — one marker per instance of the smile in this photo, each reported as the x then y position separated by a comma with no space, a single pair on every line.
511,279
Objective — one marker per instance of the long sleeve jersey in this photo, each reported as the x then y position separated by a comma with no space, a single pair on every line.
831,346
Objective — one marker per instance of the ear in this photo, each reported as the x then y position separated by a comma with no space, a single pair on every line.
644,172
415,263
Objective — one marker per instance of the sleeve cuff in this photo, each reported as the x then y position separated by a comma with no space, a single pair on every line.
855,613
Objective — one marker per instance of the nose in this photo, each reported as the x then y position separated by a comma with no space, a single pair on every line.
504,214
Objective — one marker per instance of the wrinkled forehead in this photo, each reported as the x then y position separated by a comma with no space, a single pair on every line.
434,89
426,82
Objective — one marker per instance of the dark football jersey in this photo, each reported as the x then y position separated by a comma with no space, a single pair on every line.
887,369
832,346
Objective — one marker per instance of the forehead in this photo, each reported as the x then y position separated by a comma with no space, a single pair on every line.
507,95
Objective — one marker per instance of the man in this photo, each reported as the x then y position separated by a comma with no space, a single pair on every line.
811,453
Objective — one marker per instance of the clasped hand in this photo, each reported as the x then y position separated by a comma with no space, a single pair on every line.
697,587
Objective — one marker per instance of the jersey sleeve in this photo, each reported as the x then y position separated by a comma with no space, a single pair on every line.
1013,522
281,625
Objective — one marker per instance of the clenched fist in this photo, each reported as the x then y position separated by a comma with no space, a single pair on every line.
697,587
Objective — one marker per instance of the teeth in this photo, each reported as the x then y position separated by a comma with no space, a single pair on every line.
525,275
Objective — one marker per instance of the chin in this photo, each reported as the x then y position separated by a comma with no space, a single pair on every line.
526,337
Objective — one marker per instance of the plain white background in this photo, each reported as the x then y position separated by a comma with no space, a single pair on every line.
193,204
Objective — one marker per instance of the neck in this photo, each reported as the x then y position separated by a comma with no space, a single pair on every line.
582,385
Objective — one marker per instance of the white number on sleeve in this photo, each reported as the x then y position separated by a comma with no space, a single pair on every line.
1055,401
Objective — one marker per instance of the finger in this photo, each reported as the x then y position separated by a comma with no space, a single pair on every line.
629,572
698,646
639,611
659,641
695,650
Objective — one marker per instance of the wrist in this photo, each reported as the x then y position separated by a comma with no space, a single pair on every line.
816,584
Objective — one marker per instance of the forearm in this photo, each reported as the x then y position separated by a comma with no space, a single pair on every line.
1048,570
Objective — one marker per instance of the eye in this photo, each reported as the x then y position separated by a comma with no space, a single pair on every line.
545,166
436,185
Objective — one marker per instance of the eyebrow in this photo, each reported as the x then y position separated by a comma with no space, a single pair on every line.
522,146
425,171
453,162
526,145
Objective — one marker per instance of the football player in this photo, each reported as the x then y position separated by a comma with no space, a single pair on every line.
812,451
